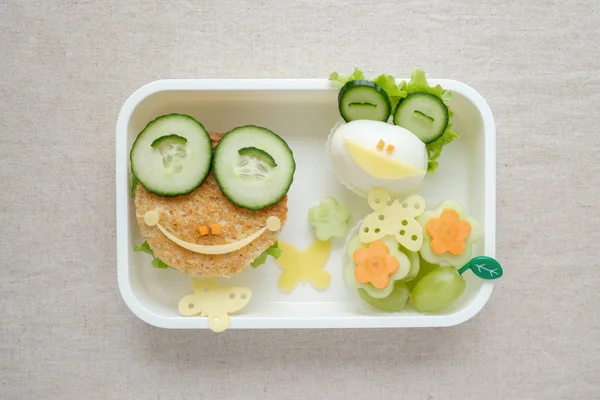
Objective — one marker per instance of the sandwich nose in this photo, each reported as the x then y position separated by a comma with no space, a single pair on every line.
214,229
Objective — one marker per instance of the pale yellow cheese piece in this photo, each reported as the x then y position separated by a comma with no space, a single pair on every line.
304,265
151,218
397,219
214,302
380,165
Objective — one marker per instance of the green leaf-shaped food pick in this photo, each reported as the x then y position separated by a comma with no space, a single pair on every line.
484,267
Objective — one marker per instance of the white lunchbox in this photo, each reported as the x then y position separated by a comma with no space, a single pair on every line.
303,113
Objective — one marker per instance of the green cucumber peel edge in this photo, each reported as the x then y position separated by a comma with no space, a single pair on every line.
259,153
176,138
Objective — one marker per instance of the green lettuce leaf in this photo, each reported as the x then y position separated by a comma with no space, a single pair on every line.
356,75
134,182
418,83
396,92
393,90
156,263
434,149
273,251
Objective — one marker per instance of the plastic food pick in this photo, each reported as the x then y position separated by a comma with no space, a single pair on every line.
304,266
484,267
215,302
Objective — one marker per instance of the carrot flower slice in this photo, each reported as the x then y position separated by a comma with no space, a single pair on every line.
448,233
374,265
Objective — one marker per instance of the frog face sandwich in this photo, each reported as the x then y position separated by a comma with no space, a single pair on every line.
209,205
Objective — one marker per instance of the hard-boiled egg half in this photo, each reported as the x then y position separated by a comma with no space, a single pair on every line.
367,154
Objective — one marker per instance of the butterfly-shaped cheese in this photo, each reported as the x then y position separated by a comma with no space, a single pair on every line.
397,218
215,302
304,265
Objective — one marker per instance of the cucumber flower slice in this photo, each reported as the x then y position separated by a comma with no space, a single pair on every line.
449,234
330,219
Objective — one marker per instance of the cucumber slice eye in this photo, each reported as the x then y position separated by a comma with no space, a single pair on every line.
169,164
424,117
172,139
424,114
172,151
260,155
361,104
363,99
253,166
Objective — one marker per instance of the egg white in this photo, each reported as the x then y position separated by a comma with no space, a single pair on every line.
408,149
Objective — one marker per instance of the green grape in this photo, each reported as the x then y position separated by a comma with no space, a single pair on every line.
396,301
438,289
424,269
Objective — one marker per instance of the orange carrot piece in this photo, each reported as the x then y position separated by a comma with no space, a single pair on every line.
215,229
374,265
448,233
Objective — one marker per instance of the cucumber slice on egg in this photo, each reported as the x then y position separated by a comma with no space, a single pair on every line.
363,99
424,114
172,155
253,166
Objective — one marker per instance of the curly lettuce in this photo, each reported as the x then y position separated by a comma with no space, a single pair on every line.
156,263
356,75
396,92
418,83
273,251
393,90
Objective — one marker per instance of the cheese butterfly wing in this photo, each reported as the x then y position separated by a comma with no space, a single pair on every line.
288,261
414,206
190,305
314,261
411,233
318,253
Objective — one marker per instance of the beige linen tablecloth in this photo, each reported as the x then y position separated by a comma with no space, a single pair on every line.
67,66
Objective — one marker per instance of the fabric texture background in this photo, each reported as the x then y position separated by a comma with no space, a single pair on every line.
66,68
